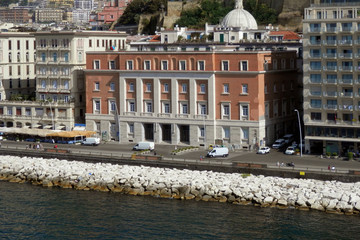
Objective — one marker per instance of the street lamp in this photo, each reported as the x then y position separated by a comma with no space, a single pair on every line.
300,143
52,116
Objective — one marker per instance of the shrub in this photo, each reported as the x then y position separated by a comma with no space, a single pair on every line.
334,154
328,153
350,155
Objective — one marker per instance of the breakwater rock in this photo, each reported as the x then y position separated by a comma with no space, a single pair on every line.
304,194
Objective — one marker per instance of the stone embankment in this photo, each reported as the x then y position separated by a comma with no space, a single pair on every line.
304,194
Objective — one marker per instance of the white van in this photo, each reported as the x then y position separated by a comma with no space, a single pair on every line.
144,146
93,141
218,152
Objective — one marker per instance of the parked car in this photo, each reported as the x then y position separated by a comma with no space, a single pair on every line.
279,143
263,150
290,150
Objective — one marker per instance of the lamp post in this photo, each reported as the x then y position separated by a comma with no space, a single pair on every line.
300,143
52,116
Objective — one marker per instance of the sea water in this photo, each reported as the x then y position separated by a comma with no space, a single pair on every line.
35,212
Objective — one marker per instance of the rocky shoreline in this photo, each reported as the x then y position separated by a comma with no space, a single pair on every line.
235,188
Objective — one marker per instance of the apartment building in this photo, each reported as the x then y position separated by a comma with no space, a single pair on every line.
61,58
210,95
42,80
17,65
332,76
14,15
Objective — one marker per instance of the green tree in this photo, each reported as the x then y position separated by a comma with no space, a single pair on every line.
6,3
261,12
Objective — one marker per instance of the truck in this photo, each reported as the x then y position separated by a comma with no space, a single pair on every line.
218,152
144,146
93,141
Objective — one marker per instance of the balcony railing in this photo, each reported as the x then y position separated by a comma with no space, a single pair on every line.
346,81
315,93
315,29
330,106
346,107
330,94
330,81
331,29
315,43
345,42
346,94
329,68
345,55
330,42
329,55
316,80
315,106
346,68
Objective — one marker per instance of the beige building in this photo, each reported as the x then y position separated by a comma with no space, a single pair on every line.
332,76
48,15
56,60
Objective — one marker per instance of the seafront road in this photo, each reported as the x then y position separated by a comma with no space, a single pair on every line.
306,162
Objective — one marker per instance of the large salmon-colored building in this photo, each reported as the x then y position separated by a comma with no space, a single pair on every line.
197,96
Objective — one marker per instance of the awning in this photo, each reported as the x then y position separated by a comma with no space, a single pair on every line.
28,131
71,134
48,126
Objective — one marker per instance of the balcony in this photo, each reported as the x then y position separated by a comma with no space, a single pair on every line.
315,30
200,116
314,43
330,81
329,55
147,114
347,29
315,55
164,115
345,55
330,94
345,42
347,94
331,29
330,106
346,81
315,93
330,42
329,68
315,106
130,114
315,81
346,68
182,116
346,107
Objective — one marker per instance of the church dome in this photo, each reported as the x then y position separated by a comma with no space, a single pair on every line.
239,18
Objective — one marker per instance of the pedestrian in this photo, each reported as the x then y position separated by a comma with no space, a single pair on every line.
329,167
201,157
55,146
333,168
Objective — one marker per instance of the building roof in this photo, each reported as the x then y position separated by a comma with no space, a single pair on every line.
287,35
239,18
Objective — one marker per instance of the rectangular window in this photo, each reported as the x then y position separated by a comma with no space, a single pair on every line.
166,108
315,103
202,88
316,116
244,65
226,110
147,65
245,111
131,106
226,132
184,108
112,86
131,128
202,131
182,65
97,64
164,65
97,86
203,109
245,89
129,65
166,87
225,65
148,107
131,87
148,87
245,133
112,106
201,65
226,88
97,106
112,64
184,87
